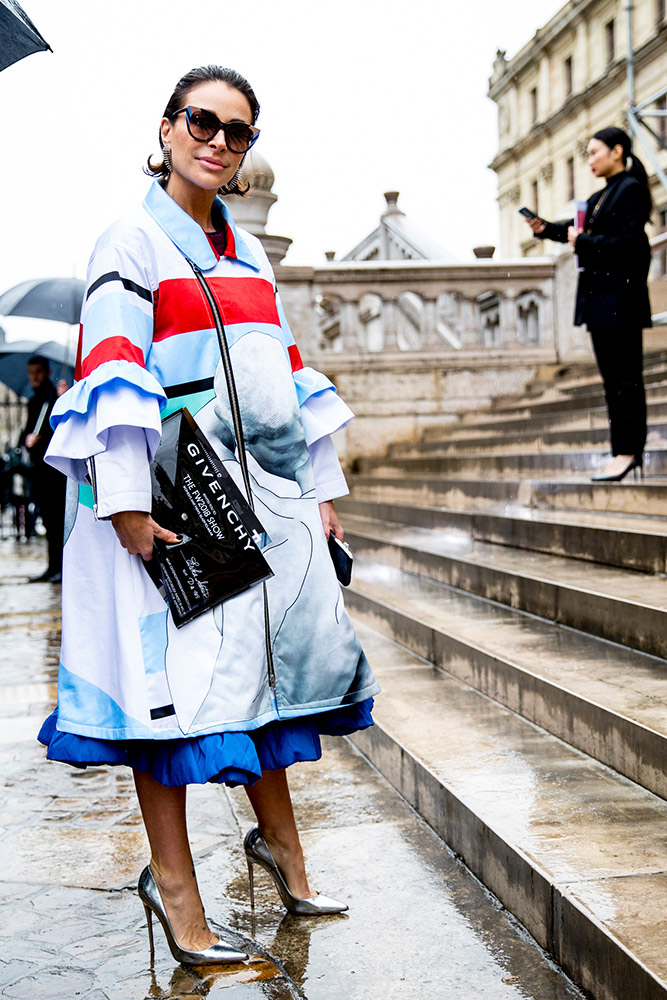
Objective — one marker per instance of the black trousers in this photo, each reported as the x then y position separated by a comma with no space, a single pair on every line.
618,351
48,491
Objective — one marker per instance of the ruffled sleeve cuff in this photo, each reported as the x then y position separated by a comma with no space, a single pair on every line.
115,394
323,412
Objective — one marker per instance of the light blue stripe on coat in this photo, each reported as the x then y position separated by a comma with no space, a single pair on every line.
153,631
115,315
183,357
79,699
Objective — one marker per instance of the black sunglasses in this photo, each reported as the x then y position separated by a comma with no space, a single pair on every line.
204,125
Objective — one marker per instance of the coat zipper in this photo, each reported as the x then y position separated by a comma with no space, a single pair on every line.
240,442
93,483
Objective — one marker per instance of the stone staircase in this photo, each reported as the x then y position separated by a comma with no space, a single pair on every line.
516,616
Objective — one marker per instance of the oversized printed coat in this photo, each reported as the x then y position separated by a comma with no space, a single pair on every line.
147,348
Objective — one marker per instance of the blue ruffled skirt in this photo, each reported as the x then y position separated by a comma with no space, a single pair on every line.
235,758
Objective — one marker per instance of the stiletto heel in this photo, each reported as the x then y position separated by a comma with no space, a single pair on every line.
251,880
637,464
215,955
151,942
257,852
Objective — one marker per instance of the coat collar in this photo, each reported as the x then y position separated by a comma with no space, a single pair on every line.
187,235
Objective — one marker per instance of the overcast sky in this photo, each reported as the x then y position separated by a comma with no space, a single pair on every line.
358,97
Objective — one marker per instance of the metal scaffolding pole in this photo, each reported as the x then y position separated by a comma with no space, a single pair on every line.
637,113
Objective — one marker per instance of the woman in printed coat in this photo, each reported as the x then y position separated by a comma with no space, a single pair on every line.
244,690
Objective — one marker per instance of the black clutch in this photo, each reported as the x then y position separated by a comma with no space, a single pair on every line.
342,559
195,496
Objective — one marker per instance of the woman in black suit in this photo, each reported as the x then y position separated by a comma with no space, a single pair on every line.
612,296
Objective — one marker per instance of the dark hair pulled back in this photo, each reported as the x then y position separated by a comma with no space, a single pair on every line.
39,359
613,136
178,100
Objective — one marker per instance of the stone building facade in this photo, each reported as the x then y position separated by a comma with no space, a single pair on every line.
567,82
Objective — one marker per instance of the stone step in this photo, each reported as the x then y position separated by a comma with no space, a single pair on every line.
573,849
587,373
512,464
654,373
612,540
654,391
487,424
621,605
606,700
583,379
627,497
594,438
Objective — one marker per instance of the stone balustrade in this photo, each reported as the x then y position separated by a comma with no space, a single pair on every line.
368,308
409,343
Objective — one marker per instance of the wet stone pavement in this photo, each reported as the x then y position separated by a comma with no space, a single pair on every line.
420,927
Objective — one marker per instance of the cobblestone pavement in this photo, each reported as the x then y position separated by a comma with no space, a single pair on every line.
72,845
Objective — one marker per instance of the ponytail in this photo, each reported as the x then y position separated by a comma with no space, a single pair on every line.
617,137
637,169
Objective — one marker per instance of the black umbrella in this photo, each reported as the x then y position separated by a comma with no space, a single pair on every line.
18,35
14,358
45,298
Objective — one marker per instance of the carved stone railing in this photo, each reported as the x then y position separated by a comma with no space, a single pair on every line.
413,343
368,308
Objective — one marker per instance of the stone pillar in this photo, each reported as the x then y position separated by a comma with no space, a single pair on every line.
580,60
349,326
429,331
572,343
508,319
470,328
544,99
390,324
547,331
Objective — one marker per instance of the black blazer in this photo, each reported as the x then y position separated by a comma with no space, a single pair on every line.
615,257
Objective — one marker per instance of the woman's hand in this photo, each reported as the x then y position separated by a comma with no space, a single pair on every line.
136,530
572,233
330,520
537,225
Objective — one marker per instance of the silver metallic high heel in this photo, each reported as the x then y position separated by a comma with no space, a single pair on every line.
257,852
149,895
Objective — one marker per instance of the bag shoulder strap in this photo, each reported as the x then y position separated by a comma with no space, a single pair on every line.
229,377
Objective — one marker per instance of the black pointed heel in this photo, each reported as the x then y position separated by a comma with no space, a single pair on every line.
636,466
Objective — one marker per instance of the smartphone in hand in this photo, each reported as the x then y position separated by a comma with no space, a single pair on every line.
528,213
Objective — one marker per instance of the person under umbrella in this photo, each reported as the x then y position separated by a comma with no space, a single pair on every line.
48,486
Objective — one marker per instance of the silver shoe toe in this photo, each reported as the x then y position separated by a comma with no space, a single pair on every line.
257,852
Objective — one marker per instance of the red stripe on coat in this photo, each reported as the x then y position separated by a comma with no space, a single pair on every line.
112,349
295,358
182,307
79,349
230,247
